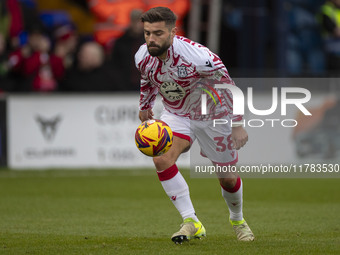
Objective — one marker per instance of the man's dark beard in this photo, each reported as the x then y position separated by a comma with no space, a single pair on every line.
155,52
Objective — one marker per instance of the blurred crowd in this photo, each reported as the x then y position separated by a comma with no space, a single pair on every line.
73,45
282,37
89,45
313,41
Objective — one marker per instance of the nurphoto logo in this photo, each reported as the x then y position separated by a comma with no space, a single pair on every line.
239,105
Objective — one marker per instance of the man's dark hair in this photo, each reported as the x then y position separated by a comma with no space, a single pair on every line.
159,14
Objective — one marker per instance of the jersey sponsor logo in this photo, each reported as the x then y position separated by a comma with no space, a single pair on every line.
173,198
182,71
172,91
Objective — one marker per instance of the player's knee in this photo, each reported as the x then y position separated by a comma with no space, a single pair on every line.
163,162
228,183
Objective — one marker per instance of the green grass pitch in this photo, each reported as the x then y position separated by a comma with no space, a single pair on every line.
127,212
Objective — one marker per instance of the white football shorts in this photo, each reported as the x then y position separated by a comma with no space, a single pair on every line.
215,142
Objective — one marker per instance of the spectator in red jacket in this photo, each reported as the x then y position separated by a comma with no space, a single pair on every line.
42,68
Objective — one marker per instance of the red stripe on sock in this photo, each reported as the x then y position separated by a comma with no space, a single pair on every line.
168,173
235,188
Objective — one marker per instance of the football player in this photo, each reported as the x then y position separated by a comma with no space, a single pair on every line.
176,68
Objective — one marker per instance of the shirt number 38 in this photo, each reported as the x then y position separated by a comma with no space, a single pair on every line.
222,143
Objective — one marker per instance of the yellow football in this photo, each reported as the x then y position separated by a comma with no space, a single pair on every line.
153,137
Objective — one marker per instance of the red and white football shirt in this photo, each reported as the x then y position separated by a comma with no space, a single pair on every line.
188,71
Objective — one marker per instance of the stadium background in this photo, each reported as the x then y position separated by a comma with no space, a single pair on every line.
71,132
276,42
